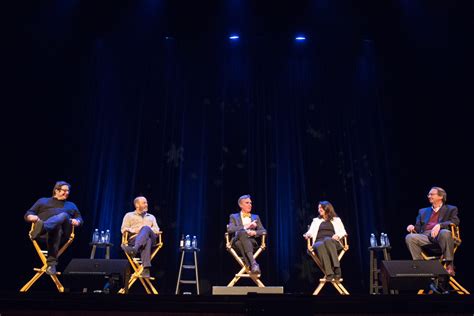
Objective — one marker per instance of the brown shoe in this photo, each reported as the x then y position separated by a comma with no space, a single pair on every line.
450,270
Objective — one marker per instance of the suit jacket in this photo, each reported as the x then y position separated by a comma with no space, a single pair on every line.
235,224
448,214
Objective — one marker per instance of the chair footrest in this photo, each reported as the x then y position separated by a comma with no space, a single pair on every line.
189,266
246,275
336,281
187,282
44,270
150,278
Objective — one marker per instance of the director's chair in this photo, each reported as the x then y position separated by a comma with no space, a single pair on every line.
137,265
433,252
43,254
244,271
322,282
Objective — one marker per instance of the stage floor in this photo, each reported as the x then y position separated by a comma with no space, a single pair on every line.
252,304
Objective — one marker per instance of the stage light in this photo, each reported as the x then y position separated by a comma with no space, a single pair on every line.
300,38
234,37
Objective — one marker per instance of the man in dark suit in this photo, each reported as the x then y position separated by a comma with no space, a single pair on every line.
246,227
432,227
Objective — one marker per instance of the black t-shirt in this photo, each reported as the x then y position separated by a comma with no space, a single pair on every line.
326,229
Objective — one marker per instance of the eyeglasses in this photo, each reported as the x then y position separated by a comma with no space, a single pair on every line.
64,190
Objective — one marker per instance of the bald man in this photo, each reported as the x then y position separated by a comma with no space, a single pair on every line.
143,224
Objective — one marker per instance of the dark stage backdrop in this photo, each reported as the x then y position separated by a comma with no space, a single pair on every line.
146,98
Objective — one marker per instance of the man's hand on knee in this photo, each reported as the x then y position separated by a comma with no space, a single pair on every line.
435,231
75,222
32,218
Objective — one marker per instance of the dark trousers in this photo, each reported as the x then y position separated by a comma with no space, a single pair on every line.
245,246
57,227
327,252
143,243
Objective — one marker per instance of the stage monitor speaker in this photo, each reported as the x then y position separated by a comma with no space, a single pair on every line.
411,274
96,275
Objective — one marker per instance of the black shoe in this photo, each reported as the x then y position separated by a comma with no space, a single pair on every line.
330,278
129,250
434,288
255,269
437,288
38,229
51,270
145,273
337,273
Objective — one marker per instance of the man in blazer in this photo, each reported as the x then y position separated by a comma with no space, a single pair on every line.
246,227
432,227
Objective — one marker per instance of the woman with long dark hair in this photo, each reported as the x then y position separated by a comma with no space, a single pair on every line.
327,230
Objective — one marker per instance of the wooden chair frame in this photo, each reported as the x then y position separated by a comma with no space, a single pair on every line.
458,288
43,257
245,271
137,265
322,282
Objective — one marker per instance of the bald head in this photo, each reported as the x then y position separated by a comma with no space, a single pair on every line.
141,204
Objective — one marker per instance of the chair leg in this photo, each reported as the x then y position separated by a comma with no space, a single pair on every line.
337,288
322,283
146,282
150,285
32,281
39,273
342,290
145,286
337,285
457,287
59,286
257,281
244,273
236,278
42,255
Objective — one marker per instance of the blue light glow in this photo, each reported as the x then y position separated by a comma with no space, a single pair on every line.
234,37
300,38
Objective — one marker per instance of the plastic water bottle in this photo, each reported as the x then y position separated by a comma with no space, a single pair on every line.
95,236
194,242
382,240
181,242
107,236
102,237
187,242
387,242
373,240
